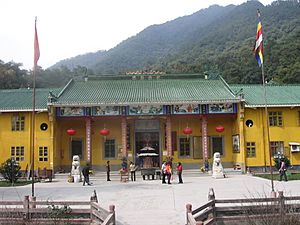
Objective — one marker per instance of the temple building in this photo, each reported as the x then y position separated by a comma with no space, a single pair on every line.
181,117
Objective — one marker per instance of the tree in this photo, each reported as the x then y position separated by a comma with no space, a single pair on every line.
10,170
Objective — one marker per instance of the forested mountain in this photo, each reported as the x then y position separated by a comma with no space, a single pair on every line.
217,39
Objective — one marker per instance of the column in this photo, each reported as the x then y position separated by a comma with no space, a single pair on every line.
242,141
124,137
204,138
169,137
88,139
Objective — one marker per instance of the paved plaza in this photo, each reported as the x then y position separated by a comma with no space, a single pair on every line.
149,202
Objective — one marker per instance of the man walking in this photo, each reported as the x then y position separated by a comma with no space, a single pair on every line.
86,174
282,170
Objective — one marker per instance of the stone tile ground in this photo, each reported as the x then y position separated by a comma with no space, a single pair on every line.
150,201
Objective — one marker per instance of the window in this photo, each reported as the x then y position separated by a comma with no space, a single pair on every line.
275,118
184,146
251,150
43,154
17,122
17,153
276,146
110,148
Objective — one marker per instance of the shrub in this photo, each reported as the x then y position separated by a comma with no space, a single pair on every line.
277,159
10,170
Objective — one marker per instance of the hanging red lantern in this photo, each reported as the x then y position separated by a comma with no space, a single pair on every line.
220,128
71,132
187,130
104,132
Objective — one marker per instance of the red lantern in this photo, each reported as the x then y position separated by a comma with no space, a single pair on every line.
71,132
220,128
104,132
187,130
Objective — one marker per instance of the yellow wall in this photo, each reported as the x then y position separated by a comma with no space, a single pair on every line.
289,132
58,141
9,138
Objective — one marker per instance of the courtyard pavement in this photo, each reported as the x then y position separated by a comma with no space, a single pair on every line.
149,202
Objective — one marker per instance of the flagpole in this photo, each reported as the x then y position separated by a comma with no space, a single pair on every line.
33,134
267,125
258,50
36,58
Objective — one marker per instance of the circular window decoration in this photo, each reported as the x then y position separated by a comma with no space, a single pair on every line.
249,123
44,126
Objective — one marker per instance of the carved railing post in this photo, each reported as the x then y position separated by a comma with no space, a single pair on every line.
112,210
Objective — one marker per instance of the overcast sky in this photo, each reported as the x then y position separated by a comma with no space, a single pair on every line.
67,28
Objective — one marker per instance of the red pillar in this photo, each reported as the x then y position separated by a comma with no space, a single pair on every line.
204,138
88,139
169,137
124,137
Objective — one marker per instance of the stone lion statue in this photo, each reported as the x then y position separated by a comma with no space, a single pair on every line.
75,165
217,168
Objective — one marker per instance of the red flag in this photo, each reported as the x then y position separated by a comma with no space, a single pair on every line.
36,47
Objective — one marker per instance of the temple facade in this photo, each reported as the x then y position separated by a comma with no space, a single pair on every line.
185,118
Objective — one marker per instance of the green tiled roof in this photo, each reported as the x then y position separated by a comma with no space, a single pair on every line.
122,90
21,99
277,95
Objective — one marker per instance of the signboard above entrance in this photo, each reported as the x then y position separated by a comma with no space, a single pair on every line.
222,108
146,110
186,109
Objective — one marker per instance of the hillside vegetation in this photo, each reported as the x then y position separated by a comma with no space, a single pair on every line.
216,40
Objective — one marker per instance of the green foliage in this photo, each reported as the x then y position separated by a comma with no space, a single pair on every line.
291,176
11,76
10,170
216,39
57,212
277,158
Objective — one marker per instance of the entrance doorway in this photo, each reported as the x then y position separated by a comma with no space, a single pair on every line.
147,139
76,148
217,145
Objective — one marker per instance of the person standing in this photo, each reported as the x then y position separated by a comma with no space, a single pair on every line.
163,172
108,171
168,172
179,172
132,169
86,174
282,170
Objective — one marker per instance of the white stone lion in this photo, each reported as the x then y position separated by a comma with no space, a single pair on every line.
217,168
75,165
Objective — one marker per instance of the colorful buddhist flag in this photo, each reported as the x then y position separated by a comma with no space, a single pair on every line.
36,47
258,47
